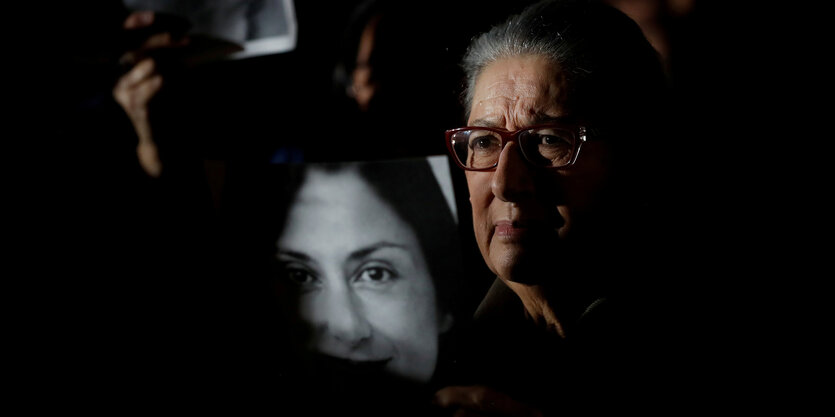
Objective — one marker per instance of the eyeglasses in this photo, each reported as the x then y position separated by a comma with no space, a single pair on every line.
547,145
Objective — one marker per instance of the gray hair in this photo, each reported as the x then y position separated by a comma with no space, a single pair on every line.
515,37
607,62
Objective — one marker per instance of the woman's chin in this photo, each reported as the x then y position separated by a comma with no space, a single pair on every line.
359,366
348,377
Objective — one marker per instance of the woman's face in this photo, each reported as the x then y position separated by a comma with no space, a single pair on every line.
364,287
524,216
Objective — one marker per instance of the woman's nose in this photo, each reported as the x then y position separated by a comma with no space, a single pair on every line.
342,319
513,180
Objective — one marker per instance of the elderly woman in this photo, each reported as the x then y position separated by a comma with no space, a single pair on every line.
563,108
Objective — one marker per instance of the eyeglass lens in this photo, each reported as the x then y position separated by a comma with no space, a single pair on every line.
546,146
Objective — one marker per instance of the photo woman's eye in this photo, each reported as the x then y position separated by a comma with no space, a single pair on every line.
375,274
298,275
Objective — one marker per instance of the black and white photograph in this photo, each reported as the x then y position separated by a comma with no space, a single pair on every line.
365,268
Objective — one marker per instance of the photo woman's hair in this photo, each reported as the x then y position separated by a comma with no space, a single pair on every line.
263,198
411,189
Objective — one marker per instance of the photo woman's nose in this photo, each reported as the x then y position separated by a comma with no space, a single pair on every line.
340,320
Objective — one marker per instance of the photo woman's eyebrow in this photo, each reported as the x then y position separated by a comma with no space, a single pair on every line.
299,256
368,250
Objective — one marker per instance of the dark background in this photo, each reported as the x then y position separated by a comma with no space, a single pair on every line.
133,303
146,295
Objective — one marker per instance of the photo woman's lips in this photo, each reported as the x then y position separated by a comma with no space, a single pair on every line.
354,366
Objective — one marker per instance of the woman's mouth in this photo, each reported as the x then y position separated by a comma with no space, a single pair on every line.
508,230
363,366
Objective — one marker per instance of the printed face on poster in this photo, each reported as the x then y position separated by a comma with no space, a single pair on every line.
367,261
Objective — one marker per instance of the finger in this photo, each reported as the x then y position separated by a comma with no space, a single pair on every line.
457,396
482,399
146,90
139,97
139,19
141,71
135,100
154,42
157,40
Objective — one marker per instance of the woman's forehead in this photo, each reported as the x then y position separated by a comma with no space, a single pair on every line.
518,90
342,203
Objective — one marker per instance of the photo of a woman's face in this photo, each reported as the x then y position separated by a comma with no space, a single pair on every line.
362,284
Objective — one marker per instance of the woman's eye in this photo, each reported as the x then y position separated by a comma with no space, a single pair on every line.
486,142
299,276
376,274
481,143
553,140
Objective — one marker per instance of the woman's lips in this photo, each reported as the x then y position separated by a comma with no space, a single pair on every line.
510,230
354,366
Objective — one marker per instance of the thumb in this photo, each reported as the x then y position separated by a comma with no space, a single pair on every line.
139,19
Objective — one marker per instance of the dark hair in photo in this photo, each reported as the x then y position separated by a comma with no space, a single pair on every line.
263,198
409,186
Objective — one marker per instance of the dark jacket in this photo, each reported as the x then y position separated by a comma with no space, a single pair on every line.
610,360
